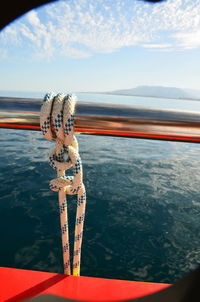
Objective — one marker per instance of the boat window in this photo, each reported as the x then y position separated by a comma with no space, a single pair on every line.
142,219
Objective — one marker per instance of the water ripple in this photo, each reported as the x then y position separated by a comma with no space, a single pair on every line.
142,220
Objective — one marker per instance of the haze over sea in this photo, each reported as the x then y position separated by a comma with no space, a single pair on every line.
143,202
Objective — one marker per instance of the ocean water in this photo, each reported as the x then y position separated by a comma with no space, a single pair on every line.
189,105
143,204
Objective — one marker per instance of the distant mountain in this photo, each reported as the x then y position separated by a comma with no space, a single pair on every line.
160,91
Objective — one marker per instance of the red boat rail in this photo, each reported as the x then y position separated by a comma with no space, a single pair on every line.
109,119
18,285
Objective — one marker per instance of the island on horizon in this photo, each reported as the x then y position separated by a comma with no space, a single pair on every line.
157,92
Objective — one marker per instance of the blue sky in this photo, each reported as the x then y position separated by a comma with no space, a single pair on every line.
102,45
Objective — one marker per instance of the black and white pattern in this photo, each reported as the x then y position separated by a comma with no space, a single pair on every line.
57,124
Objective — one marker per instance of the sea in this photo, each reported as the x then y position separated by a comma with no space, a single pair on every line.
143,201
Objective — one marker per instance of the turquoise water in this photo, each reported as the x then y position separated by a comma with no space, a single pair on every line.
143,207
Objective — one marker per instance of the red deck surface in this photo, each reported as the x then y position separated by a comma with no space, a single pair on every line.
17,285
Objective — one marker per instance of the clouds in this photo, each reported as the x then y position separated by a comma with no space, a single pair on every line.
188,39
33,19
80,29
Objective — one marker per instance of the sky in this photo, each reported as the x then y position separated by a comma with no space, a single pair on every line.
102,45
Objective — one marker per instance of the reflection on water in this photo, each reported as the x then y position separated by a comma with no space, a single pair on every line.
143,208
